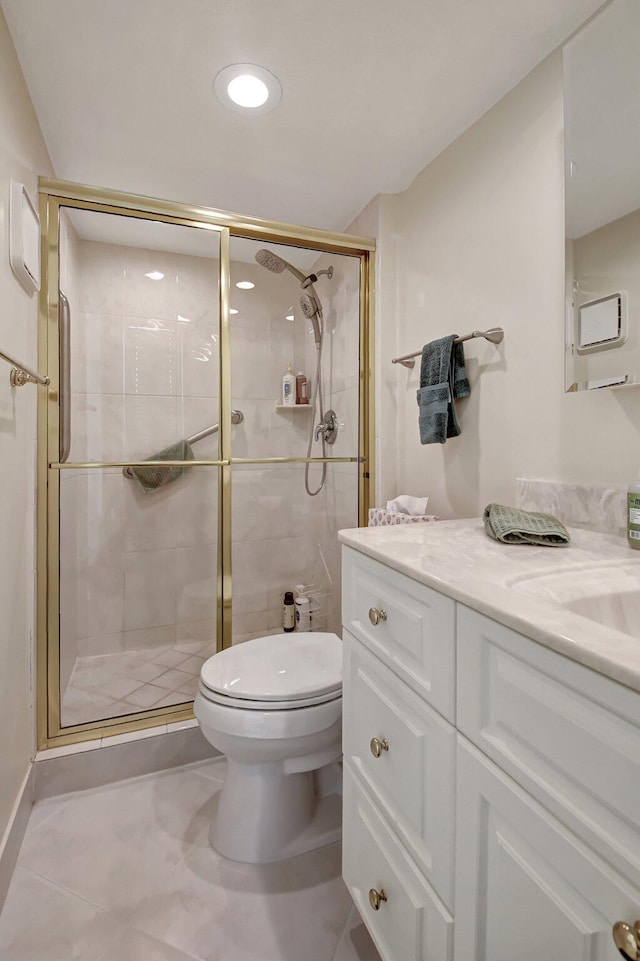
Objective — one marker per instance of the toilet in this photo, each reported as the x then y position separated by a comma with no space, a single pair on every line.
273,706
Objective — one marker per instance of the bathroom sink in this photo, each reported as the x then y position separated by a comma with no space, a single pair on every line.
608,594
620,611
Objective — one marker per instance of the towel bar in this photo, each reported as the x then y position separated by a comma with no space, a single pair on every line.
236,418
495,335
21,374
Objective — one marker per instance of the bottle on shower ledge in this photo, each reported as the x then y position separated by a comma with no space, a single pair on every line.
303,610
289,388
301,381
288,613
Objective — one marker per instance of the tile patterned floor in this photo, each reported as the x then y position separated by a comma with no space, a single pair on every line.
126,872
110,685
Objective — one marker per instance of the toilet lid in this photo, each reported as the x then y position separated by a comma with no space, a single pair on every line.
280,667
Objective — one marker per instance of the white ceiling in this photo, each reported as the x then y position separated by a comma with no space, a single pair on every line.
372,91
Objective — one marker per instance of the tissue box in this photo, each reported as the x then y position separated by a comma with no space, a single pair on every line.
381,517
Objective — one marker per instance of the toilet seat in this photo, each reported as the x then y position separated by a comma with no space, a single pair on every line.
249,723
275,673
251,704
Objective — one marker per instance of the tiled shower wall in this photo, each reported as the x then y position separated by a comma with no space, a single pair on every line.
336,506
283,537
141,564
139,570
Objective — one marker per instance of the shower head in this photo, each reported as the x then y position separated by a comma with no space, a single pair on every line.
309,302
267,258
309,306
312,311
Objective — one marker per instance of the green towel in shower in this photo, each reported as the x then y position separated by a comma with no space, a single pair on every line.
152,478
512,526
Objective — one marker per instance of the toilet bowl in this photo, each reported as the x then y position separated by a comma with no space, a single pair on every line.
273,706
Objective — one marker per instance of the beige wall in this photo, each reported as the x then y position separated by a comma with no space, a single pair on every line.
477,241
23,156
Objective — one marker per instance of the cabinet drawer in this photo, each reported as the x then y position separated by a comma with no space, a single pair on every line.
412,924
570,736
411,775
526,887
416,639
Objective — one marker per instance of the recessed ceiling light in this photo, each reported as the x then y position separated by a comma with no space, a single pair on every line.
154,275
232,310
245,285
248,88
248,91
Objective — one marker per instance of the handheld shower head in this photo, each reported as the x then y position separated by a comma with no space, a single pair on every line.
266,258
309,302
276,264
311,309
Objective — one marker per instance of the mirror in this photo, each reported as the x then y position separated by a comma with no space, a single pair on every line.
601,70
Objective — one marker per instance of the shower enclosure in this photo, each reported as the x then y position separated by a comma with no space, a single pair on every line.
178,498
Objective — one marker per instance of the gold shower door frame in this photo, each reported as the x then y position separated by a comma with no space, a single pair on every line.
54,195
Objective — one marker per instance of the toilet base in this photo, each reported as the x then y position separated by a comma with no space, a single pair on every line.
265,815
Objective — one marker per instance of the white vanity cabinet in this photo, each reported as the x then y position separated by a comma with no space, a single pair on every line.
488,779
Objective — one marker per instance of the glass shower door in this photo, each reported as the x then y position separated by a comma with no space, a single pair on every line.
292,306
138,547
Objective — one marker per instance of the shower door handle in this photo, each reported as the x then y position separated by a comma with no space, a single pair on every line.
64,361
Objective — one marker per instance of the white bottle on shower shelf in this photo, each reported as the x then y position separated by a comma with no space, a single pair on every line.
303,609
289,388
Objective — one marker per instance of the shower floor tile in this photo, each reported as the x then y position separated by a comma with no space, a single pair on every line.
126,871
111,685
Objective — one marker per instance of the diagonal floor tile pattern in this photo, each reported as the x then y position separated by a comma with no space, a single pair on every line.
124,682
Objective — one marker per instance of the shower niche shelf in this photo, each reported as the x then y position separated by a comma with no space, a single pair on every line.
293,406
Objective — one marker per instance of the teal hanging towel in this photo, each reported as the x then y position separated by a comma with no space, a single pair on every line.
442,379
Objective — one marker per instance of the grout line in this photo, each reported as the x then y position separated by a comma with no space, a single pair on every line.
73,894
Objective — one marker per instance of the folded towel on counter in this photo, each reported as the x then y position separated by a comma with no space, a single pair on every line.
406,504
442,378
512,526
152,478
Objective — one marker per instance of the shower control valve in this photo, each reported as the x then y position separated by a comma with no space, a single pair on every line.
328,427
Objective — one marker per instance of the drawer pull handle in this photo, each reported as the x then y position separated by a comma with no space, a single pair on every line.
376,898
625,937
375,616
378,746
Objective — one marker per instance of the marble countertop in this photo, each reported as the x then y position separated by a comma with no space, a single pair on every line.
523,587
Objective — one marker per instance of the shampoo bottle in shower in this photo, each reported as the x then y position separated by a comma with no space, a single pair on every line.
301,381
303,609
633,516
289,388
288,613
